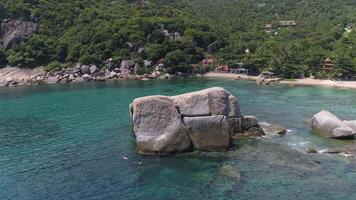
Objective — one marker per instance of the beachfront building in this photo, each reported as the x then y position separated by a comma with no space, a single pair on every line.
239,71
222,69
207,62
290,23
267,74
328,65
268,28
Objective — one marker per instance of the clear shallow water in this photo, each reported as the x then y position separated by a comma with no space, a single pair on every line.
69,142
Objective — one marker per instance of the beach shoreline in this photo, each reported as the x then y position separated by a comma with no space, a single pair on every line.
21,75
230,76
294,82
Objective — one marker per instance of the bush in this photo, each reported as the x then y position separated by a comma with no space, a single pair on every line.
55,66
2,58
177,61
144,70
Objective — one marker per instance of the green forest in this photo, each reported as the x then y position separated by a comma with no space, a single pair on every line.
183,32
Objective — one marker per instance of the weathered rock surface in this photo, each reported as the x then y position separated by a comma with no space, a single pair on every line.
209,133
93,69
213,101
158,127
273,130
351,124
204,120
250,128
230,171
328,125
85,69
17,76
127,66
15,31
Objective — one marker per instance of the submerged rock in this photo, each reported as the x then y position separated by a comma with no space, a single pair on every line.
250,128
327,124
311,150
273,130
230,172
347,151
203,120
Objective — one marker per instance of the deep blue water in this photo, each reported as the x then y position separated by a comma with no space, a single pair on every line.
72,141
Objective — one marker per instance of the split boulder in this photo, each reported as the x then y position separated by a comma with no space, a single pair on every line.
202,120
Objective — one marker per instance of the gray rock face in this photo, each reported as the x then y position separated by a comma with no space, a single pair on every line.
328,125
136,68
86,77
213,101
249,121
273,130
85,69
15,31
209,133
52,80
351,124
158,126
203,120
93,69
147,63
127,67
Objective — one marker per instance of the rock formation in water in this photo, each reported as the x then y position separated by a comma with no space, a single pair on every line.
328,125
203,120
15,31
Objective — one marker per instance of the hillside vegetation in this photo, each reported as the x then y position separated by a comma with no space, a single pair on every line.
183,32
320,33
91,31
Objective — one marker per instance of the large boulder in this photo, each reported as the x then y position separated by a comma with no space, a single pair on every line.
204,120
158,127
328,125
15,31
209,133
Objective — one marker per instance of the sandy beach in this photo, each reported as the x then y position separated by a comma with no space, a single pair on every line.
294,82
321,83
230,76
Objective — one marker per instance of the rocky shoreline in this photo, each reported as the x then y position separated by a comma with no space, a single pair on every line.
14,76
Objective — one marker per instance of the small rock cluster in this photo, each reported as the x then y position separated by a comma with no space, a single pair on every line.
204,120
11,76
267,81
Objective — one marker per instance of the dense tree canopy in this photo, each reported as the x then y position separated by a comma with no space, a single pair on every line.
183,32
325,28
91,31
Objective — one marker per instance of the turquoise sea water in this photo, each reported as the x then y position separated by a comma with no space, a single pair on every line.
75,142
